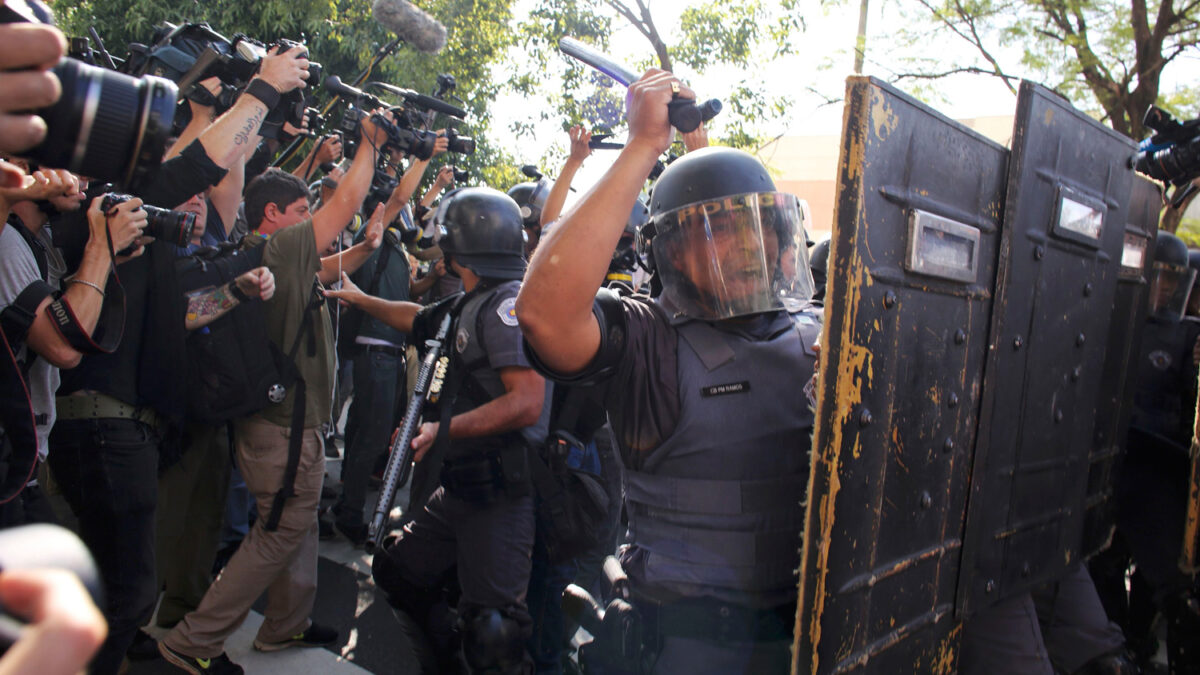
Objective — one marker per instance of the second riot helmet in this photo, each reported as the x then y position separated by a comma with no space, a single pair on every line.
531,197
481,230
1171,278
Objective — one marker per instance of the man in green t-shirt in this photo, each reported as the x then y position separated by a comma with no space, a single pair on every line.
283,560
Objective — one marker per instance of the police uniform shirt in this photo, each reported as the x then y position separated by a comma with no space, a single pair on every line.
500,338
642,393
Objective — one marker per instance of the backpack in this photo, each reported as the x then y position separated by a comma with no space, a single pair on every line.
233,368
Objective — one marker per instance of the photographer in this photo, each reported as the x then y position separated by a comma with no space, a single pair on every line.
24,266
282,559
118,411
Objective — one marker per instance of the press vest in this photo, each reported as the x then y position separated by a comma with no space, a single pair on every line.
718,505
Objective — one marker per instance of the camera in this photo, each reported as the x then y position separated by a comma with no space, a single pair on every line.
173,227
1173,153
460,175
463,145
382,186
105,125
400,135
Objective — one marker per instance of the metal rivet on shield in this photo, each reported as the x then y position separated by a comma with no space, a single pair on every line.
990,586
960,336
1039,252
1018,342
1080,339
1087,289
889,299
952,401
926,500
1076,373
1025,571
864,418
1058,415
948,446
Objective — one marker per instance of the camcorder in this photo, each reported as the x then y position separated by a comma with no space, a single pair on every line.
173,227
106,125
1172,154
191,52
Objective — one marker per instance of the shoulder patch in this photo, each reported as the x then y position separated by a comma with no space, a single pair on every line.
507,311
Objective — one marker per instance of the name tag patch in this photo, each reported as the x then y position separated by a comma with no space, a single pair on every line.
725,389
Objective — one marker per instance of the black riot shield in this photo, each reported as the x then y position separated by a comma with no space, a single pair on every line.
1118,378
1065,220
909,300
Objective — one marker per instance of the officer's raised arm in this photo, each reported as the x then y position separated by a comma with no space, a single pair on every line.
555,302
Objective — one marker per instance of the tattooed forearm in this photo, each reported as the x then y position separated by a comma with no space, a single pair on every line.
206,305
250,127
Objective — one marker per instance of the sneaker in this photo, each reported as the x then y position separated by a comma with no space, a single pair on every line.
198,666
357,534
316,636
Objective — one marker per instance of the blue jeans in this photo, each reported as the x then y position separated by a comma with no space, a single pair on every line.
378,395
108,472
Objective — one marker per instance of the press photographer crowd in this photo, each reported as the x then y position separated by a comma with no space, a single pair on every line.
602,421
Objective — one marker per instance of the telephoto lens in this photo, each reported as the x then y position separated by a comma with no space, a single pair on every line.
106,125
460,175
463,145
173,227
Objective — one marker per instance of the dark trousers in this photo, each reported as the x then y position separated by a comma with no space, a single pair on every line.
191,510
378,394
547,581
108,472
490,545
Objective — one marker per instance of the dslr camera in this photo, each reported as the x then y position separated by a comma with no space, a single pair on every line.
1172,154
105,125
174,227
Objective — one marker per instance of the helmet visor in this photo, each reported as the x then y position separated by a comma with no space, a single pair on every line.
733,256
1170,286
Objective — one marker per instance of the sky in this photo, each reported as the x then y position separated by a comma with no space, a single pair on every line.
823,59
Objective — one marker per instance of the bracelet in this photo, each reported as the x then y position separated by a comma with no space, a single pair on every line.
237,294
261,90
85,282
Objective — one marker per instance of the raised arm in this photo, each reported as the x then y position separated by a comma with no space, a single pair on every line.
352,189
348,261
555,302
580,150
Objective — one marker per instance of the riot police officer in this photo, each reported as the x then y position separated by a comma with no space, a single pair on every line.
491,412
1151,489
702,389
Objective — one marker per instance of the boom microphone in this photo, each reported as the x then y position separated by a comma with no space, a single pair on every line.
411,24
334,85
421,100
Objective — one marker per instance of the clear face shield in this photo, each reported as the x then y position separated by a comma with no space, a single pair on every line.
734,256
1170,286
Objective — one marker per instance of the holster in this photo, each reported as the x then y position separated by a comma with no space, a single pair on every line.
485,477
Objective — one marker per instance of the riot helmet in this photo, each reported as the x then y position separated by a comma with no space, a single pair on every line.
1171,278
481,230
624,259
725,243
531,197
818,259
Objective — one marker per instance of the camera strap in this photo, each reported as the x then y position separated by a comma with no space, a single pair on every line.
18,428
110,326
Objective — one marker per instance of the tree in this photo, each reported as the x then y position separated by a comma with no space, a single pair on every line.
722,33
1105,55
342,36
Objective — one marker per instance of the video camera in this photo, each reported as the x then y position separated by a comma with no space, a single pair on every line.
189,53
105,125
1172,154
